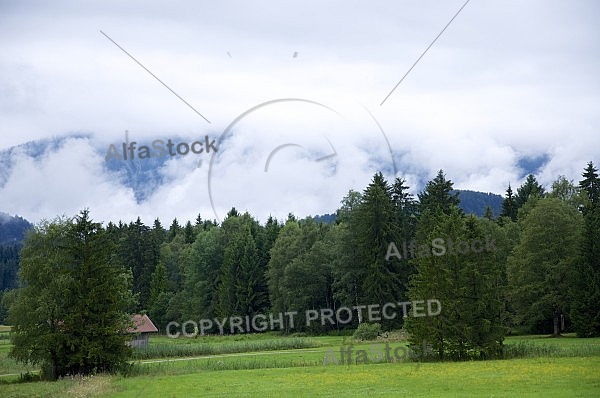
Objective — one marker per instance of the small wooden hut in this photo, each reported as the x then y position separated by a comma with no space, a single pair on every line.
143,326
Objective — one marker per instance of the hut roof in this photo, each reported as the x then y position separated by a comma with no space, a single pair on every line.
142,324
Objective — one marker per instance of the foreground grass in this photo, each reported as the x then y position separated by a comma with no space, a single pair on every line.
539,377
89,386
550,367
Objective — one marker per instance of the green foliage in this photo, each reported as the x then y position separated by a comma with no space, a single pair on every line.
137,249
540,265
68,316
242,286
241,267
438,193
373,230
201,275
509,205
367,331
585,311
159,286
566,191
348,204
299,271
530,189
469,286
287,247
9,267
591,185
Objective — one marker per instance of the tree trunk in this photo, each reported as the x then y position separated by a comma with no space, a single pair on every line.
53,370
556,326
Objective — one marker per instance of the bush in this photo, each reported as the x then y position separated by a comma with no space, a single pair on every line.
367,331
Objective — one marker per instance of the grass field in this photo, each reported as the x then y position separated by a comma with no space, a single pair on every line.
268,366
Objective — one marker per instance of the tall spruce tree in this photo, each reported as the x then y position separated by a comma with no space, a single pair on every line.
406,213
509,205
585,312
438,193
591,185
241,289
467,285
530,188
174,230
250,276
373,229
140,253
189,233
69,315
201,282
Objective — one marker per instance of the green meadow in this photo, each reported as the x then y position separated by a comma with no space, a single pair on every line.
270,365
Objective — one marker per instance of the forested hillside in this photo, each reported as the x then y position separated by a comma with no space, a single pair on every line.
12,229
471,202
478,202
12,233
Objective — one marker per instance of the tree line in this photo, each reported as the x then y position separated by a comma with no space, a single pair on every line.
544,277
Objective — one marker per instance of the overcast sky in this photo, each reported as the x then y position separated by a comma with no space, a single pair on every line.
506,81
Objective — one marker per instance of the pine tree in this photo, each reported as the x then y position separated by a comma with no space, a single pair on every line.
509,205
405,210
406,213
467,285
189,233
488,214
437,278
68,316
585,312
201,281
438,193
174,230
140,253
591,185
373,229
158,232
530,188
241,289
250,277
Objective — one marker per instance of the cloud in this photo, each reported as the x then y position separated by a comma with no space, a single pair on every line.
506,81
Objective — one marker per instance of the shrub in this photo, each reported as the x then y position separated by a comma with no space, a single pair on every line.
367,331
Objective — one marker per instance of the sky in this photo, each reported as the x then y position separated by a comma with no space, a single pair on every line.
294,97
